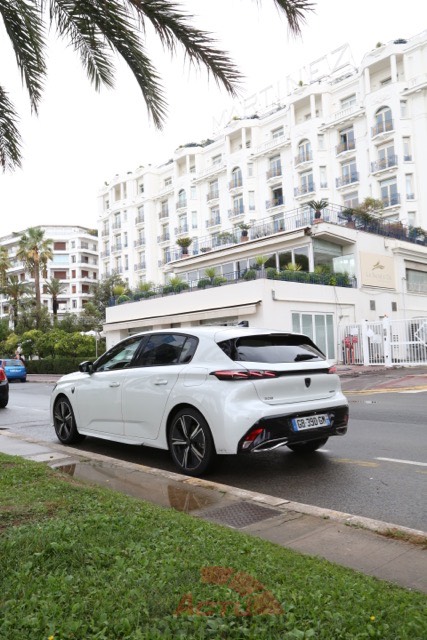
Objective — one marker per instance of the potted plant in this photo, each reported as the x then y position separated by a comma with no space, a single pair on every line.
184,243
244,227
348,214
318,206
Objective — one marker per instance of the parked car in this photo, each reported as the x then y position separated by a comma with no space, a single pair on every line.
204,391
15,369
4,389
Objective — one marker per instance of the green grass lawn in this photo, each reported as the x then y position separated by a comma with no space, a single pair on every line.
78,562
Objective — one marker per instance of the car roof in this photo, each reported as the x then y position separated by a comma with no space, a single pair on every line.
219,333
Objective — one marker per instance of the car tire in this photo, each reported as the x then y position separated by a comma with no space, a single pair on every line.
190,442
23,379
3,403
65,423
307,447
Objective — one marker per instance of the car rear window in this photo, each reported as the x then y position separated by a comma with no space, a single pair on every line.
273,349
12,363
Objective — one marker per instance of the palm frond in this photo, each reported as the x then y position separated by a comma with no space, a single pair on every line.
295,11
24,26
10,139
172,26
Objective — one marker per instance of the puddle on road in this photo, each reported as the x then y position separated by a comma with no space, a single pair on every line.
152,488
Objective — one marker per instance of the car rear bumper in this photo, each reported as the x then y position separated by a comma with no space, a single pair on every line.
276,431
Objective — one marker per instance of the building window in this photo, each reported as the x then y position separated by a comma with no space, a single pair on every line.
319,327
304,151
236,178
307,182
275,167
141,187
403,109
394,306
351,200
168,181
348,173
389,194
346,140
59,246
194,219
321,141
409,184
407,153
383,121
416,281
182,199
117,192
277,133
372,305
323,178
412,217
348,102
250,169
217,159
193,193
74,303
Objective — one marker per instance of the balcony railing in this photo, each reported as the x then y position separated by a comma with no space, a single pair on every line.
212,195
382,127
348,145
140,219
236,211
304,189
183,228
384,163
117,247
236,183
391,201
105,254
275,202
307,156
347,179
164,213
140,266
213,222
105,232
116,225
164,237
274,172
181,204
139,242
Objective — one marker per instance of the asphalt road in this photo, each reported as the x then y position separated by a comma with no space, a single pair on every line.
377,470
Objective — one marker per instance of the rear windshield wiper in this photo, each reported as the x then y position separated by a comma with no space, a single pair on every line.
304,356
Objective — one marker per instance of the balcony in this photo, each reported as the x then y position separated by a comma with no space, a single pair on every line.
381,128
164,213
237,183
164,237
275,202
393,200
105,232
274,173
181,204
139,242
383,164
116,225
105,254
343,147
117,247
213,222
212,195
140,266
275,143
301,158
183,228
140,219
347,180
410,196
304,190
235,212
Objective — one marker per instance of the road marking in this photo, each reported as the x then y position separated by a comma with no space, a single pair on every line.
417,464
360,463
385,390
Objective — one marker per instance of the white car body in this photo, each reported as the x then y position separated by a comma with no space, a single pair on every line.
134,404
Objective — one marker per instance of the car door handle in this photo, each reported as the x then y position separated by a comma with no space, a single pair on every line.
160,381
114,384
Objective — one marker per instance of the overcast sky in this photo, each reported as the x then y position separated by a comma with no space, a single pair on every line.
82,138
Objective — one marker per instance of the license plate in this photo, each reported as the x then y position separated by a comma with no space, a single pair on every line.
311,422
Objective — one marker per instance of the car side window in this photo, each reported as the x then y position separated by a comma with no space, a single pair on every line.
120,356
162,349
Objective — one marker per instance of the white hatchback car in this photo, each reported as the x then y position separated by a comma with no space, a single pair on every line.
204,391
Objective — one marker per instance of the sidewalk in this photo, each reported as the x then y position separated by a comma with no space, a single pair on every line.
348,540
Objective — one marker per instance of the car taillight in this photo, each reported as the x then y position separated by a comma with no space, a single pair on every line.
251,437
332,369
240,374
2,375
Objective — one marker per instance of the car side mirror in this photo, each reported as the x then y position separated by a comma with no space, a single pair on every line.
86,367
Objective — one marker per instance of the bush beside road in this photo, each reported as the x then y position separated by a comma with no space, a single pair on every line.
83,562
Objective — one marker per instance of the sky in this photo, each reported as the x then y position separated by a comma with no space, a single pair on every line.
82,138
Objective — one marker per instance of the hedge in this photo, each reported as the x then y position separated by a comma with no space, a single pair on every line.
55,365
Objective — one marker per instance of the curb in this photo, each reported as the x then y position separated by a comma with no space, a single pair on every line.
375,526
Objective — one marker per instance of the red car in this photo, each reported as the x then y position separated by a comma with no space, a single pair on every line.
4,389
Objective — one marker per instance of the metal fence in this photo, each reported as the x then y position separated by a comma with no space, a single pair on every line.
386,342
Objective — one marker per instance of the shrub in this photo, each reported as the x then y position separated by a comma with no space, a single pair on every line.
250,275
123,298
203,283
218,281
271,273
59,366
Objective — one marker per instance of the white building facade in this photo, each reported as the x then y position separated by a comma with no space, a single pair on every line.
350,134
75,263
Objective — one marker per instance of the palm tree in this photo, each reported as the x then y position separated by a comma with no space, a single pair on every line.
34,251
54,288
100,30
15,290
4,266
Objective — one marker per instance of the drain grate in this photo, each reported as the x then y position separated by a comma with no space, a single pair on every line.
241,514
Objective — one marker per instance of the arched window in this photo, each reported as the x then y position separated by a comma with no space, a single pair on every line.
236,177
182,199
304,151
383,121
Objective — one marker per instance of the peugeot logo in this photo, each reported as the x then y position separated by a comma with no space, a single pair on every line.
307,382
